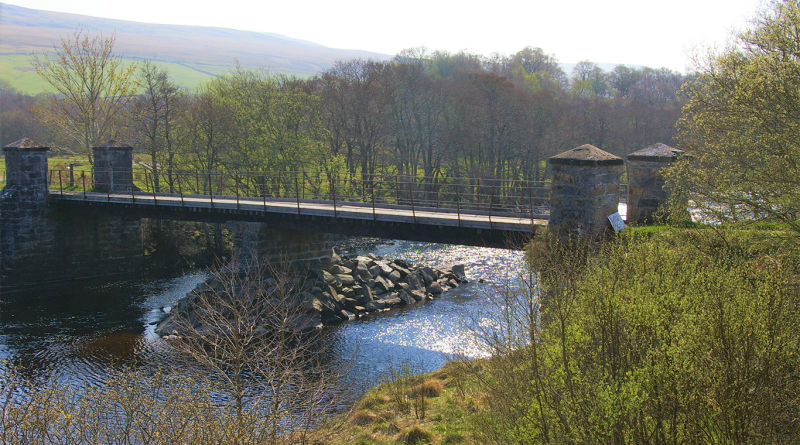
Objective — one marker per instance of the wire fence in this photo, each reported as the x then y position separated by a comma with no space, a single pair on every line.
468,195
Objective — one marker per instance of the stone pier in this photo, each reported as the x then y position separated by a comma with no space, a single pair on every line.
584,189
40,244
646,191
113,167
279,246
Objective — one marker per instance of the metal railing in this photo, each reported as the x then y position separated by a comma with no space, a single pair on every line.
482,196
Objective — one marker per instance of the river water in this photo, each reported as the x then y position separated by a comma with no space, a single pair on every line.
78,334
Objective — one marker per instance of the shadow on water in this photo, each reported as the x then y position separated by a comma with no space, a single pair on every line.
80,330
80,333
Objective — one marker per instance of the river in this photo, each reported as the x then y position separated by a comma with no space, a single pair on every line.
79,333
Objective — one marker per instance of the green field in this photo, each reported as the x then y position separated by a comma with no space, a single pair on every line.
17,70
58,162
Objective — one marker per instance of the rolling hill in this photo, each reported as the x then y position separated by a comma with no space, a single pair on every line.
191,53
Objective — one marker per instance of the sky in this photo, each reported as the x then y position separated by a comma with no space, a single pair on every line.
632,32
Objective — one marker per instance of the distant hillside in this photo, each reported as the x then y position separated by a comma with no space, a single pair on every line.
192,53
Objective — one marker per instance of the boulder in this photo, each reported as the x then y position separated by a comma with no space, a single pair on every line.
383,284
393,300
327,301
348,292
407,297
434,288
333,291
452,283
402,271
365,295
428,275
324,276
348,315
365,275
419,294
385,268
459,272
368,261
414,281
361,267
340,270
394,276
346,280
309,303
375,270
350,302
376,305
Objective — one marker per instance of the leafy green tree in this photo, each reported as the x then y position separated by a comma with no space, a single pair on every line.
91,88
741,123
272,124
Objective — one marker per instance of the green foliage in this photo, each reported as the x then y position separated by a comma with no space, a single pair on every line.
666,339
271,124
740,124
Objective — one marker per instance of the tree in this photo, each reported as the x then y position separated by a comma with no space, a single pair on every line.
91,88
741,123
157,112
248,331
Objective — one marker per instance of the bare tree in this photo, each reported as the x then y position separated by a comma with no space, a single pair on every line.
157,113
91,88
248,332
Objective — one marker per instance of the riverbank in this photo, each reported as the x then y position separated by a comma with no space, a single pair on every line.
440,407
702,319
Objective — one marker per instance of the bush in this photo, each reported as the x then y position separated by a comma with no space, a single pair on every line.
655,340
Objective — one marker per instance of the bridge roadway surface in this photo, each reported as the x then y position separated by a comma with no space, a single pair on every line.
427,224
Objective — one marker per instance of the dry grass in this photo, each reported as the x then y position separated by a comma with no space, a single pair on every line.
451,400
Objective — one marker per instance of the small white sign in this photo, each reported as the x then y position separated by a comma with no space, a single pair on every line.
616,221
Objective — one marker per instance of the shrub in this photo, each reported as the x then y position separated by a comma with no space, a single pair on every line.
656,340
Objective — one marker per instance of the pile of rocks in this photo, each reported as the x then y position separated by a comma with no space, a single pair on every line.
346,290
368,284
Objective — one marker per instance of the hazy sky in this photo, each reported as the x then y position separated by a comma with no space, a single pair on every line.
634,32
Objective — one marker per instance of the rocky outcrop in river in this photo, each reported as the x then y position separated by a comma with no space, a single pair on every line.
348,289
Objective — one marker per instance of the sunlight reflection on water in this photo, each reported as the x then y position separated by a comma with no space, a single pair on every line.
425,335
79,335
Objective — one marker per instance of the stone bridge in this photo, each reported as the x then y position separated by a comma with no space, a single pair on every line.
55,227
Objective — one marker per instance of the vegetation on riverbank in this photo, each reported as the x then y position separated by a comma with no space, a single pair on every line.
664,335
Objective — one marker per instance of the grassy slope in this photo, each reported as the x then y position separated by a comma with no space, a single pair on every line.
192,53
378,418
17,70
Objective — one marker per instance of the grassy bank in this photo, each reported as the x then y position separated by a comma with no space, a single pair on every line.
434,408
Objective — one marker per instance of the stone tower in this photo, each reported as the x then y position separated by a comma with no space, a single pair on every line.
646,190
584,189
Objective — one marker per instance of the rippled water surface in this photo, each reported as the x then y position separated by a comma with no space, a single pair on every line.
80,333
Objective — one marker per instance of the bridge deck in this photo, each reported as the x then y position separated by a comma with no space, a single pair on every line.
349,210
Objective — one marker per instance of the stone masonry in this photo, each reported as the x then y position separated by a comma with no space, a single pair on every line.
646,190
584,189
41,244
276,245
113,164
